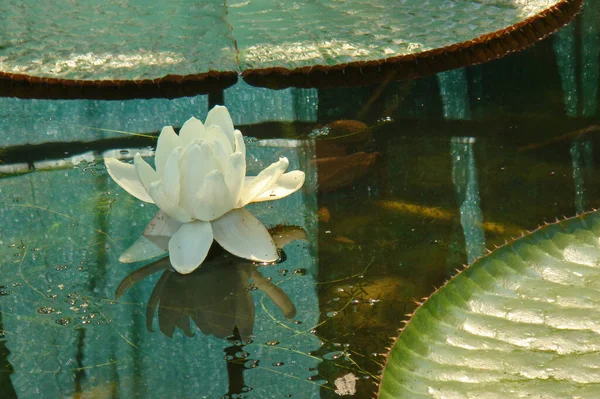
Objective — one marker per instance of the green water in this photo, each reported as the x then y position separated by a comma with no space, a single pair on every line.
435,171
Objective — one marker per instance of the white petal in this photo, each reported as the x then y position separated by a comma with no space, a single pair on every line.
167,142
222,154
141,249
189,246
124,175
144,171
160,230
236,177
213,198
240,145
166,204
264,181
215,134
198,161
171,176
219,116
240,233
287,184
192,130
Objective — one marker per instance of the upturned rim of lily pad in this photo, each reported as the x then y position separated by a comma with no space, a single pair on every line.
481,49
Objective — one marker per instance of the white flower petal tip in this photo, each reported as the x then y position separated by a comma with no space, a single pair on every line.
287,184
189,246
168,140
144,171
125,175
192,130
243,235
220,117
141,249
255,186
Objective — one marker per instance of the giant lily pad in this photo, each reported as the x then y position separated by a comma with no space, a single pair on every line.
523,321
121,49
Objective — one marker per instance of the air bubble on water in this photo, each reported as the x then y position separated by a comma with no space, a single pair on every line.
65,321
46,310
272,343
324,131
278,364
386,119
333,355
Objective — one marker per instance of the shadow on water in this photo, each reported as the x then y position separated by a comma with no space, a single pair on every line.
218,299
6,387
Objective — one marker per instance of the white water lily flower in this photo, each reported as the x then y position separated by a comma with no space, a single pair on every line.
201,188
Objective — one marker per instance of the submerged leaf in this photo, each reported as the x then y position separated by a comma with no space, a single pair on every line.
523,321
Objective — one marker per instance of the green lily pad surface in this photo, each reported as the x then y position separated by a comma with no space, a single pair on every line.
107,42
335,32
523,321
115,40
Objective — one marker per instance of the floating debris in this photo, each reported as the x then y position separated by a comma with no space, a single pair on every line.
346,385
344,240
324,215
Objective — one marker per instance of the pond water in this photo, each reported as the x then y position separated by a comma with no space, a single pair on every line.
406,182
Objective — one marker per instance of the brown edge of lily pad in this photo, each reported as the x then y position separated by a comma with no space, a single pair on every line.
479,50
482,49
170,86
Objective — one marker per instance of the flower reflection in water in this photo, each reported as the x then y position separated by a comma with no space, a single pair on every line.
216,297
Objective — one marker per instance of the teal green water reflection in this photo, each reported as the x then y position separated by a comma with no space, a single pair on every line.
406,182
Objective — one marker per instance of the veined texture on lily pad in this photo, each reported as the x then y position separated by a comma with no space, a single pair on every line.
522,321
199,183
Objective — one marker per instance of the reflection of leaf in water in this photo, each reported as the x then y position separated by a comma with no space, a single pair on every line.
337,172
